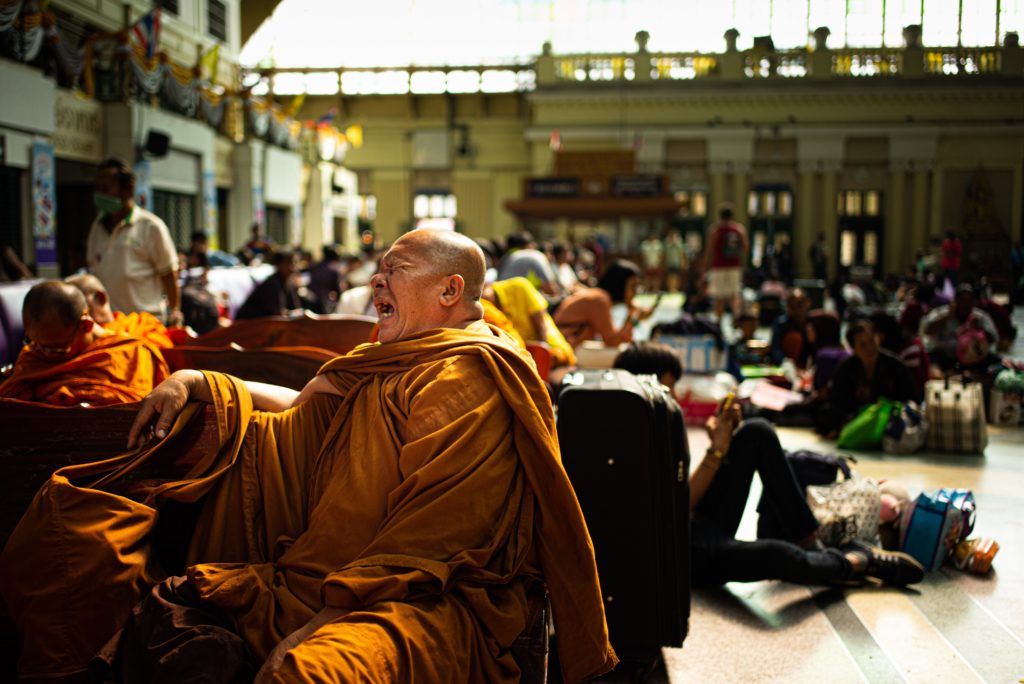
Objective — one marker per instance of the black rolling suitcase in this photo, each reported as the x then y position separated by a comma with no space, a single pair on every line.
624,447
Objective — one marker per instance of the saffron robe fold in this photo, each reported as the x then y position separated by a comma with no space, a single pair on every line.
114,369
423,503
141,324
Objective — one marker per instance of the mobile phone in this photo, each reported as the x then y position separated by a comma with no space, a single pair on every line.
727,403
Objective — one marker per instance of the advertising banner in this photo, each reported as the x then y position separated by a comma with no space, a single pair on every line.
44,205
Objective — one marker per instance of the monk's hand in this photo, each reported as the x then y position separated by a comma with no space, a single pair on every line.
163,404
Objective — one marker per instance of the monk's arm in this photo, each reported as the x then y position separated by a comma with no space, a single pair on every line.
169,398
318,385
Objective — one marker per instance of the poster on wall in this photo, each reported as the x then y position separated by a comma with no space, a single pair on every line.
211,209
44,205
144,184
296,232
259,210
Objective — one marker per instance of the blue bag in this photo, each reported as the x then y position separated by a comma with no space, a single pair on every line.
936,523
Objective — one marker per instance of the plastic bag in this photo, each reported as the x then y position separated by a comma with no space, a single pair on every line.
906,431
867,427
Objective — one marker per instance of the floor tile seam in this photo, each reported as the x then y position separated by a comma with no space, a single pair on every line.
994,618
846,648
953,649
877,646
922,601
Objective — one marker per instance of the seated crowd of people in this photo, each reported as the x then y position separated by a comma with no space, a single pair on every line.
335,534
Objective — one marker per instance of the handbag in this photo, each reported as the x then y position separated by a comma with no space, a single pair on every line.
906,431
867,427
955,410
815,468
846,510
935,523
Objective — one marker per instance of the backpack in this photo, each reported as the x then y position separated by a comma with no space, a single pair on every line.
815,468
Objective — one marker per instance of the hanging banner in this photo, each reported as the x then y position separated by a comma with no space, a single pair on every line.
296,231
44,205
144,184
211,208
259,209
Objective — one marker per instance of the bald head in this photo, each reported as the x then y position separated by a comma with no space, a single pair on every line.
87,283
95,296
451,253
428,279
64,302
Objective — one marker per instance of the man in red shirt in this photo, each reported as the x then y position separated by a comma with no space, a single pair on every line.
951,250
725,253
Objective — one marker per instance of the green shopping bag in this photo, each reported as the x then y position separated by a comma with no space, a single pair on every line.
866,429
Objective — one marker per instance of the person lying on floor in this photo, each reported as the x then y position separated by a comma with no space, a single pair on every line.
720,486
69,359
392,522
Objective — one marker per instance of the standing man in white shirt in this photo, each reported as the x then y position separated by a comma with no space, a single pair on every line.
130,249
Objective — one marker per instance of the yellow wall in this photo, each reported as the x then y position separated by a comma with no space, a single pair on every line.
736,136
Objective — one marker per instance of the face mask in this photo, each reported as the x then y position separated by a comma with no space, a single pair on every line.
107,204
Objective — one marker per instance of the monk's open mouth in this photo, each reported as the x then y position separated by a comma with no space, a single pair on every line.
384,310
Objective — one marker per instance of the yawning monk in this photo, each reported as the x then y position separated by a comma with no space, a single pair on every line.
68,359
393,522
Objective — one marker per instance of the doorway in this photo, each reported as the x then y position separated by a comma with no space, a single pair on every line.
861,236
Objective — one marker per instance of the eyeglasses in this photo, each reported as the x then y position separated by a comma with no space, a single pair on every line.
53,350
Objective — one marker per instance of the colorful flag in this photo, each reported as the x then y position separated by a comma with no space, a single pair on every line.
209,61
330,116
147,32
293,109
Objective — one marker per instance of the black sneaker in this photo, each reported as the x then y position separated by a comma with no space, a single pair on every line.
891,567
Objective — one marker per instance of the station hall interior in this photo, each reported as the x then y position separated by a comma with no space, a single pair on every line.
879,125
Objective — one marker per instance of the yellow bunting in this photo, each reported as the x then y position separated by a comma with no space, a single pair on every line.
354,134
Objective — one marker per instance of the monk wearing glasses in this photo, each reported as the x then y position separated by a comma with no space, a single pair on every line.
68,359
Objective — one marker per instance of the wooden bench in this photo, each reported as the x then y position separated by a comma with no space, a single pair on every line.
285,366
39,439
337,333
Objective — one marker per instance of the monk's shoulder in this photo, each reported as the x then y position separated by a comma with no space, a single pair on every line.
451,386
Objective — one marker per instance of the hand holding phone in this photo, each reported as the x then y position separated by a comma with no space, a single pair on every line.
723,408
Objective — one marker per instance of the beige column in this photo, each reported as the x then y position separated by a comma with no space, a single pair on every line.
394,203
717,178
938,222
806,228
740,187
474,192
829,221
915,151
507,186
899,250
820,152
919,209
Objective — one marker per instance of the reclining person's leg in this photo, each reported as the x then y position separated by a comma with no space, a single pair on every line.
752,561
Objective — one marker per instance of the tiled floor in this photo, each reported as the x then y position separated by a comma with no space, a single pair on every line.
953,627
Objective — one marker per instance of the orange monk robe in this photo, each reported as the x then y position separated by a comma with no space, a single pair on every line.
141,324
114,369
423,503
